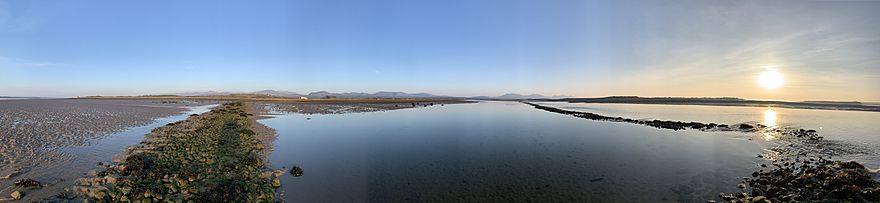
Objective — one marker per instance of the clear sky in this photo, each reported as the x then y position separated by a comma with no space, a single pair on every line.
828,50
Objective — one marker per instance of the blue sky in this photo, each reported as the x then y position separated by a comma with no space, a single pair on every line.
824,49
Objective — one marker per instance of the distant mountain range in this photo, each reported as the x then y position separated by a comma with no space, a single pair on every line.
318,94
358,95
512,96
726,101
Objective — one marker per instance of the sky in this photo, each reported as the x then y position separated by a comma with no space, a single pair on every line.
824,50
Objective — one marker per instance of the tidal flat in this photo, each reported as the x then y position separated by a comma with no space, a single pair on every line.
356,151
48,140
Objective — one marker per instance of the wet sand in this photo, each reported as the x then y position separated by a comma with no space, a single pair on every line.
264,133
37,133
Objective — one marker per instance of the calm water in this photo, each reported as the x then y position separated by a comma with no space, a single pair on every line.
855,129
501,151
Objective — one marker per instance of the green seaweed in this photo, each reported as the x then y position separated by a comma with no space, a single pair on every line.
208,158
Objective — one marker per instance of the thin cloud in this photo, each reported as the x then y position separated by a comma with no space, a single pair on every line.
7,62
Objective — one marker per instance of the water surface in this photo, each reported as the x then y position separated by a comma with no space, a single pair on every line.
501,151
857,130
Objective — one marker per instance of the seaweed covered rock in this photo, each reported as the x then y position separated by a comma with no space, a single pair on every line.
27,183
810,181
207,158
296,171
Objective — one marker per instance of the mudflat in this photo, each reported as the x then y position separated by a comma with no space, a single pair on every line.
35,131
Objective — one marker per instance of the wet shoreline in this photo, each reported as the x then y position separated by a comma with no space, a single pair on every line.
76,160
37,133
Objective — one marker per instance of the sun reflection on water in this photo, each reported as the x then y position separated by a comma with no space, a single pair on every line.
770,120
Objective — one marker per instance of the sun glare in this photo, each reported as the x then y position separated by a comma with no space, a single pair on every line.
770,79
770,118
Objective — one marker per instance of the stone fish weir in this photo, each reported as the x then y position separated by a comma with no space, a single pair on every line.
679,125
211,157
800,178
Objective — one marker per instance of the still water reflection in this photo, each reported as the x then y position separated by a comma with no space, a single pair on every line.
852,133
501,151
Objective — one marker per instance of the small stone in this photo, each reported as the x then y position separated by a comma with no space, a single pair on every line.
17,195
759,199
276,183
110,179
266,174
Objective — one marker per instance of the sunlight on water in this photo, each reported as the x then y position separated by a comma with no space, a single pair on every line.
770,118
770,121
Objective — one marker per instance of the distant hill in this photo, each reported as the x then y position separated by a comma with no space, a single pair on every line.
723,101
278,93
835,102
12,97
514,96
208,93
318,94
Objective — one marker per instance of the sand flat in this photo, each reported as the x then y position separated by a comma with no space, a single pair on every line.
35,130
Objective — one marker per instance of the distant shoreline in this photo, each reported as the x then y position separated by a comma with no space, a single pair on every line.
284,99
820,105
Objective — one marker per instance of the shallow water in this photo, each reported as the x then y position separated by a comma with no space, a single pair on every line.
81,159
501,151
856,128
117,143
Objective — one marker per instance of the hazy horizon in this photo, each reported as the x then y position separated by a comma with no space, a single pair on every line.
824,50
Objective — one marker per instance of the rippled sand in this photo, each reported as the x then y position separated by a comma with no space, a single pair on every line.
34,132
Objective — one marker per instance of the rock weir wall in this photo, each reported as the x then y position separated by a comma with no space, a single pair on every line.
207,158
680,125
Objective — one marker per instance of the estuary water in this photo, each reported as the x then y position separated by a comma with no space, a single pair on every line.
502,151
856,131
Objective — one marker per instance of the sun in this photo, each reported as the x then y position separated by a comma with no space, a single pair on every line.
770,79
